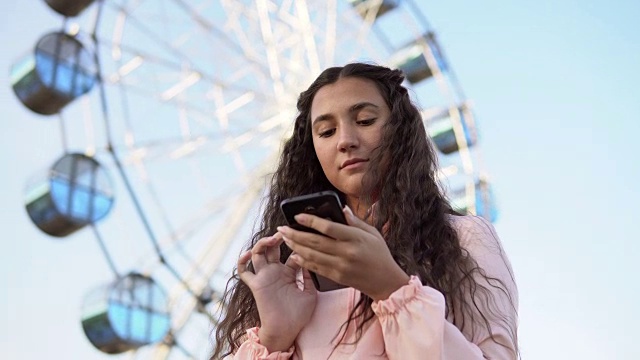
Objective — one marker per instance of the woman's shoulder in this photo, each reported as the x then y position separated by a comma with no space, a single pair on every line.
478,236
474,230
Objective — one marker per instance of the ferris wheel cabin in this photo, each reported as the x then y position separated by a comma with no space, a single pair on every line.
441,128
126,314
59,71
420,59
363,7
75,192
68,8
479,201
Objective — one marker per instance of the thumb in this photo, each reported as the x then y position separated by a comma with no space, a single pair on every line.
353,220
308,282
243,272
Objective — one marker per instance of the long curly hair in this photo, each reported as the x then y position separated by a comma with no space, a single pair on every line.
410,206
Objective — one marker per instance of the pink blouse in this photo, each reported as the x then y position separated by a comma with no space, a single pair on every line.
411,323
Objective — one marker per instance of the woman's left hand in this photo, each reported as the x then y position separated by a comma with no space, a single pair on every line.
355,255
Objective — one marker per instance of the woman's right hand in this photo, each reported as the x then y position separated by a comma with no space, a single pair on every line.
284,308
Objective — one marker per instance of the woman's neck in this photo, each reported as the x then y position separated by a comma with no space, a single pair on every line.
359,208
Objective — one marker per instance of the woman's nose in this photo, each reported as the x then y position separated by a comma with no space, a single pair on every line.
347,139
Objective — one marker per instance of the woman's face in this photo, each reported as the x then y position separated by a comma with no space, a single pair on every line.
347,118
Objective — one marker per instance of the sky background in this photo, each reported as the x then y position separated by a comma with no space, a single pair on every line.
554,85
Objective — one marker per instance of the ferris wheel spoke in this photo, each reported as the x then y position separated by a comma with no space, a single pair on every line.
270,47
202,143
210,28
355,39
173,242
193,224
237,12
190,227
309,39
137,59
330,32
213,253
178,57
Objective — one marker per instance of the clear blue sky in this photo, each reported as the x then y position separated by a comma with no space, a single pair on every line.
554,85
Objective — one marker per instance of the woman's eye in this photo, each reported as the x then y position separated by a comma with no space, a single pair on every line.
327,133
366,122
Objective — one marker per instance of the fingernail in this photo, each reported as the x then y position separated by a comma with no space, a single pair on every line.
347,209
281,229
301,219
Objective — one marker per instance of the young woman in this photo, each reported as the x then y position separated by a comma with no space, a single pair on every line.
422,281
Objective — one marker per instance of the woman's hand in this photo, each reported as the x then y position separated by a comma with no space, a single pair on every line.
284,308
354,255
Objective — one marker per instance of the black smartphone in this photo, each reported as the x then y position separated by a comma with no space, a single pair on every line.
325,204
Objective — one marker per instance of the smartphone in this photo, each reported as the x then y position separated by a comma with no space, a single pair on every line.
325,204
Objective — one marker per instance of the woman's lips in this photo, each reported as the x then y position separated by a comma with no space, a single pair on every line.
352,163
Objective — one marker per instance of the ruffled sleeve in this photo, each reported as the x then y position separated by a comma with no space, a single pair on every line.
251,349
413,319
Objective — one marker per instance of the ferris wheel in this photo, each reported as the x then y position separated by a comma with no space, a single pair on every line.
172,115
